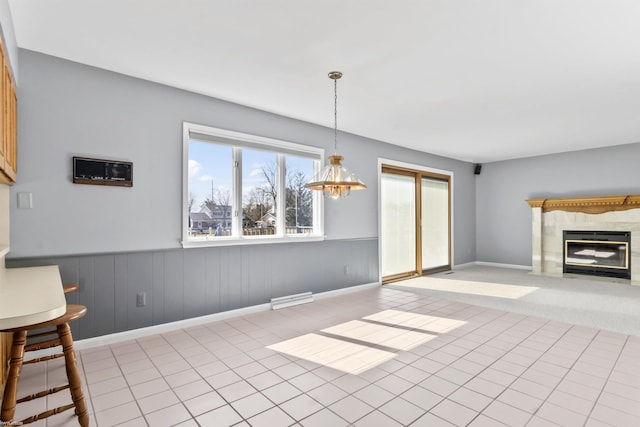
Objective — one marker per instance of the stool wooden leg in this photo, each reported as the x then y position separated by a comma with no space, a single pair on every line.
15,366
64,332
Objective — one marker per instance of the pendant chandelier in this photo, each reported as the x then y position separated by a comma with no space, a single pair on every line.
335,181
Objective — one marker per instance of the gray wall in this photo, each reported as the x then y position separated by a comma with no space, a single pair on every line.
68,109
116,241
503,224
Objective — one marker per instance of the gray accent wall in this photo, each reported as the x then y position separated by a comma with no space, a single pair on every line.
181,284
503,224
117,242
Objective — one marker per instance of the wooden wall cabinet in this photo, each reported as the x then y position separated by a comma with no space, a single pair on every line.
8,122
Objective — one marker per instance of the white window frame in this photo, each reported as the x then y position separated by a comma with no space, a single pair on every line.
238,142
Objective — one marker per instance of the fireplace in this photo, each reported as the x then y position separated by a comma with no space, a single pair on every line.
551,217
597,253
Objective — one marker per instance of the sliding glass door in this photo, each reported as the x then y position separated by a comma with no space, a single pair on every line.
398,218
415,223
435,224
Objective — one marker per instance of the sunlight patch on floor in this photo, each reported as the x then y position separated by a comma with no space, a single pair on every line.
470,287
387,336
338,354
393,329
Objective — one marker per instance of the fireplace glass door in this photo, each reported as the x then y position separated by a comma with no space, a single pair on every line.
599,253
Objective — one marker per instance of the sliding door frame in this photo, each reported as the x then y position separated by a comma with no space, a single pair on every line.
418,172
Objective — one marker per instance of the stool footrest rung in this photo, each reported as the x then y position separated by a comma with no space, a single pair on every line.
43,393
42,345
47,414
43,358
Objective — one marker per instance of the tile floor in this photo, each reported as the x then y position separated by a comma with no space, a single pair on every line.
379,357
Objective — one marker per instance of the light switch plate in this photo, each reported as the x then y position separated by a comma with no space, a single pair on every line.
25,200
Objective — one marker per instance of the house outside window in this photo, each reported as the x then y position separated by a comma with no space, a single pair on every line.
242,189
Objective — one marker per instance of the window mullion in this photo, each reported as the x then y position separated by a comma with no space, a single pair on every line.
237,193
318,204
281,183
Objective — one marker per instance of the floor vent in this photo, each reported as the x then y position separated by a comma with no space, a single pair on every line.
289,300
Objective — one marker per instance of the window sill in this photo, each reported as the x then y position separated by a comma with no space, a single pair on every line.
232,241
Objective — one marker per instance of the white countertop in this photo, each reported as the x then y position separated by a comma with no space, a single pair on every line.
30,295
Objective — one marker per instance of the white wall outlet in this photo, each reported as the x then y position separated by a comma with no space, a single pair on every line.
141,299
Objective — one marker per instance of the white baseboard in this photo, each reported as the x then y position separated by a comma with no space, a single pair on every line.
496,264
180,324
337,292
466,264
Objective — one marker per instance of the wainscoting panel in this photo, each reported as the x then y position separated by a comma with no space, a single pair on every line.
158,292
185,283
104,280
194,292
86,276
139,280
120,292
173,285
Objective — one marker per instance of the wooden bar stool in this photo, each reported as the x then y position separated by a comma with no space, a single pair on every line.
18,347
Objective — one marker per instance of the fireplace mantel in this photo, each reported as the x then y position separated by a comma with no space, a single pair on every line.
590,205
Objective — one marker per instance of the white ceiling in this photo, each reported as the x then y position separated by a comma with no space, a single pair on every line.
473,80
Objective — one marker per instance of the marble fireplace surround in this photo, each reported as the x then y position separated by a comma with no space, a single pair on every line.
549,217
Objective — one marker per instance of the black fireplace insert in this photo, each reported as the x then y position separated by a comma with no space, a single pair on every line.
598,253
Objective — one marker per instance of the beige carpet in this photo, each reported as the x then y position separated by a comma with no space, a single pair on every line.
599,303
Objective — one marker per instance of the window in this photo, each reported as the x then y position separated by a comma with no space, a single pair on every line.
241,188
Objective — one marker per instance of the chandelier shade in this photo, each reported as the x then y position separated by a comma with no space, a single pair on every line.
335,181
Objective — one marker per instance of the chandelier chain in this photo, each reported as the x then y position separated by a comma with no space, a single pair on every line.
335,116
